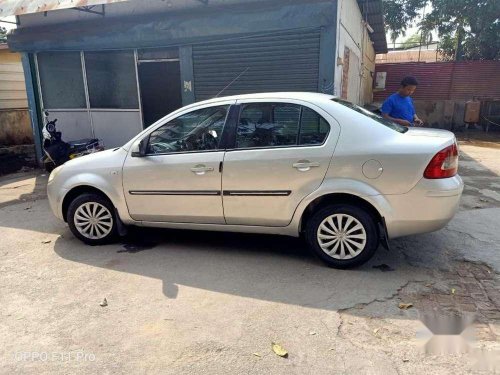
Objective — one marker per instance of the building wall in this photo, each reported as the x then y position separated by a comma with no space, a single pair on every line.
368,72
425,55
38,35
15,125
353,78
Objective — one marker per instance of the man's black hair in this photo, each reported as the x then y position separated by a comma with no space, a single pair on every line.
409,81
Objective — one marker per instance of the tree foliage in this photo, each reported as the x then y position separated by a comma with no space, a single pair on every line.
468,29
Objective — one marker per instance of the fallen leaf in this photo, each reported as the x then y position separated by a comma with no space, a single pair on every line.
406,360
46,241
279,350
312,333
405,306
104,303
453,290
428,285
257,354
376,330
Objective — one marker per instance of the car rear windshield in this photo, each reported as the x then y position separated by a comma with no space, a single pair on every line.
373,116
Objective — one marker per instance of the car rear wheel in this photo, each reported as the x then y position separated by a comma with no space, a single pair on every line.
342,235
91,219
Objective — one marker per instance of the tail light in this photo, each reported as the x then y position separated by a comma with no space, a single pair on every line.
444,164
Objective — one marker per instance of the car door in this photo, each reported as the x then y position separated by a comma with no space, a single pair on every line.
179,178
280,154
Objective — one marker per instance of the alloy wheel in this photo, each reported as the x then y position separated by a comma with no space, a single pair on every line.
93,220
341,236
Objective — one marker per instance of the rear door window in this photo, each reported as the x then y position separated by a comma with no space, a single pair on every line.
313,128
267,125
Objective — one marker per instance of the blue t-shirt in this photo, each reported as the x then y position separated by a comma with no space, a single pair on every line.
398,106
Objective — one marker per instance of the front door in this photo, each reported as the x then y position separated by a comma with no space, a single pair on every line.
179,180
281,154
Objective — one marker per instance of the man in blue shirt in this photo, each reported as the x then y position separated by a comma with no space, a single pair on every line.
399,107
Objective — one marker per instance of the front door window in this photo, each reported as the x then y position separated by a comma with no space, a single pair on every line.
199,130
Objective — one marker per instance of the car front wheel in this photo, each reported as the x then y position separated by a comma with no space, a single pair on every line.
91,219
342,235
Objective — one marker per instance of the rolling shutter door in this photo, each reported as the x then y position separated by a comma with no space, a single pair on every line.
278,62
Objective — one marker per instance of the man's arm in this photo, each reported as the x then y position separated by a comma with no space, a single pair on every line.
396,120
417,120
387,109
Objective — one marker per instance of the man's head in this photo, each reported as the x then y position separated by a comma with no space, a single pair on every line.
408,86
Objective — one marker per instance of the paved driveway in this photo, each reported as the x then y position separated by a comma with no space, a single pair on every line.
203,303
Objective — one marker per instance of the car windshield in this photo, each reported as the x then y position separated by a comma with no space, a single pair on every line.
373,116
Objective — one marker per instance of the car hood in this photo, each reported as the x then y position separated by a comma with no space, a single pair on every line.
104,159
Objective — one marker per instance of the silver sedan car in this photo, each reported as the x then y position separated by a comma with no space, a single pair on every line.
278,163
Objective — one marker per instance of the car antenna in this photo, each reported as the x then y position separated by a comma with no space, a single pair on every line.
230,83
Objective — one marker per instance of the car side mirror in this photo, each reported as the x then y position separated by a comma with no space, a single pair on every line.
141,150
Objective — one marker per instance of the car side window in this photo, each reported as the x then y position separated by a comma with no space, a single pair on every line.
313,128
200,130
268,125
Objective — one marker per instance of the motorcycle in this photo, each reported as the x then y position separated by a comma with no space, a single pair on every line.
57,152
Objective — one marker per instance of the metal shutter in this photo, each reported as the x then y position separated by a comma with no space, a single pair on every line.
286,61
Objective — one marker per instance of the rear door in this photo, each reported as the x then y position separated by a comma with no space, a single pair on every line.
280,153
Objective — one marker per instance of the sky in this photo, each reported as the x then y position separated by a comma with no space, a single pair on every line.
8,26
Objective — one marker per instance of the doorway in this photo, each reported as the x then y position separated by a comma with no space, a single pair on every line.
160,84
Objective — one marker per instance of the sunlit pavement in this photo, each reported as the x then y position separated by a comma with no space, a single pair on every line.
200,303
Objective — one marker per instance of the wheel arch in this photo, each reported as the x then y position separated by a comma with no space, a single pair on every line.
77,191
332,198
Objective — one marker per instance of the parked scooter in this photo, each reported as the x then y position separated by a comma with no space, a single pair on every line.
57,152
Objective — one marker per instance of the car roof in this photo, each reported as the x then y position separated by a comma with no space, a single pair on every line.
307,96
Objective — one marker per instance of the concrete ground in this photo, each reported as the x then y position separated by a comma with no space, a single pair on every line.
212,303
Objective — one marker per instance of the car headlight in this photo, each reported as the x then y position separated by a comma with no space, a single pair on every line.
55,172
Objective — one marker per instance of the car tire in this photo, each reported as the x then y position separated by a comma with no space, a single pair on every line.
92,219
352,245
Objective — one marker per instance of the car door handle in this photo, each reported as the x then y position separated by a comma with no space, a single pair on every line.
201,169
304,165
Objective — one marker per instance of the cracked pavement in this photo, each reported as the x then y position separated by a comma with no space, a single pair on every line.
212,303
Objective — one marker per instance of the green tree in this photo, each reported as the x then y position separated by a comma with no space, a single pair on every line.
411,41
468,29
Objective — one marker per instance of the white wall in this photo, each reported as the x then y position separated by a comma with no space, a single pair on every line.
352,33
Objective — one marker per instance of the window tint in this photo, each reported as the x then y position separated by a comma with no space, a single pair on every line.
268,125
61,80
111,80
313,128
199,130
277,124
